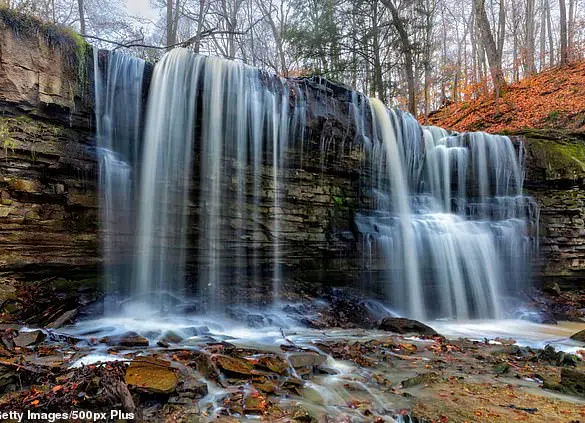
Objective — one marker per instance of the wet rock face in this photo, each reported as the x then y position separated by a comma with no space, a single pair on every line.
555,177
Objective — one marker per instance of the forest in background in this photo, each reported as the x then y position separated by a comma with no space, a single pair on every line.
415,54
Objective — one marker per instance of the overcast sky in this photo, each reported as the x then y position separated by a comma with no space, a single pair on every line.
141,8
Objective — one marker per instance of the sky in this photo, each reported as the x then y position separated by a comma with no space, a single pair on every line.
141,8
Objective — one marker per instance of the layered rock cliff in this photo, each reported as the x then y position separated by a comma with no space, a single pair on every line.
555,176
49,209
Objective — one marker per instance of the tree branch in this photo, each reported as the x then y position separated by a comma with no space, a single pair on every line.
204,34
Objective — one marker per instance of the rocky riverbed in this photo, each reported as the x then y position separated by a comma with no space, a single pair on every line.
269,368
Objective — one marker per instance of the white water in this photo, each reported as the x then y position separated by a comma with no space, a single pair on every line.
118,109
451,229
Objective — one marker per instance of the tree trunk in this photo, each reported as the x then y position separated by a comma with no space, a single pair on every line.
530,50
408,54
81,7
200,20
551,47
493,51
571,30
427,58
563,32
170,34
542,60
378,83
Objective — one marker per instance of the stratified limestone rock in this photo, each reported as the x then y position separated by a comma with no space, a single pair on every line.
555,176
49,204
48,201
43,69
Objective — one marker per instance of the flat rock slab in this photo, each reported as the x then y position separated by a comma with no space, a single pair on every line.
405,326
273,363
152,375
24,339
307,360
234,365
129,339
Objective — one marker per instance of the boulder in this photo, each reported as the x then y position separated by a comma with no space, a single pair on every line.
272,363
405,326
579,336
171,337
573,381
25,339
152,375
234,365
66,317
129,339
305,360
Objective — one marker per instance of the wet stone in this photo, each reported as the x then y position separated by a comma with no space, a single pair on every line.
273,363
292,384
405,326
196,331
266,385
63,319
255,321
129,339
171,337
152,375
254,403
305,360
238,366
199,340
579,336
25,339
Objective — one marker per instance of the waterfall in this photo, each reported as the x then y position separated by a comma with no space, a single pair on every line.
118,104
449,229
453,230
220,123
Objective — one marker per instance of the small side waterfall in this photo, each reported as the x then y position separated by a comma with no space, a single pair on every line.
118,109
451,223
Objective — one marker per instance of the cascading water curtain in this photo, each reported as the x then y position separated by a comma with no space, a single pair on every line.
450,226
118,109
453,233
239,122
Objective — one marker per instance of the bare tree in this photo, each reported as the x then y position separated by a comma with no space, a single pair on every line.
81,16
493,50
563,32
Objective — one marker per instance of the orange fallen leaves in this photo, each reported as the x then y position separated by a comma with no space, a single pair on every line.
546,100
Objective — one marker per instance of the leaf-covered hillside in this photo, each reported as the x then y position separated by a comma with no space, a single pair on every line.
552,99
